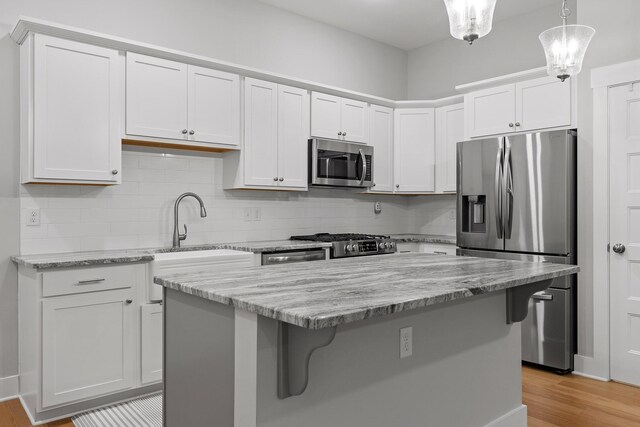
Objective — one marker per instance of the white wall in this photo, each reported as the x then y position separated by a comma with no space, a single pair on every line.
435,69
617,40
433,215
139,213
242,31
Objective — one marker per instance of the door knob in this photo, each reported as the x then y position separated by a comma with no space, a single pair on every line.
619,248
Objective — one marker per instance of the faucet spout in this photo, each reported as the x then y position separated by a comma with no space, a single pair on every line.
177,237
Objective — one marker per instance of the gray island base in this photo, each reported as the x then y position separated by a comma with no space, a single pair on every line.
228,349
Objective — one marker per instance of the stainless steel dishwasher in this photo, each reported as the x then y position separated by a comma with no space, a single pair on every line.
293,256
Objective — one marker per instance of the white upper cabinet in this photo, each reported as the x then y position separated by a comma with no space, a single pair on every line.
334,117
293,136
214,106
543,103
156,97
71,112
260,133
526,106
276,134
490,111
381,138
414,150
168,99
449,131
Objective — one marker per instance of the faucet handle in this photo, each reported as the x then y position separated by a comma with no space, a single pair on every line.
183,236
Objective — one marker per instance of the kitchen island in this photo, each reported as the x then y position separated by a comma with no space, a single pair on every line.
318,344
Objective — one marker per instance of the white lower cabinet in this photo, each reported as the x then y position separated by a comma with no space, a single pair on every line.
151,343
88,345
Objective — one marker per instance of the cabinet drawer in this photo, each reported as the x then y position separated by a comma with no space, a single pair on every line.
90,279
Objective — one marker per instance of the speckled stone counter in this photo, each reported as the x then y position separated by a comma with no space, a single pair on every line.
329,293
425,238
79,259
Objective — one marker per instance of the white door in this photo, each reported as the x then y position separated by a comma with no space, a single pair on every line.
156,97
88,345
449,131
490,111
260,133
76,111
624,143
543,103
381,138
151,343
325,116
214,106
414,150
293,136
354,120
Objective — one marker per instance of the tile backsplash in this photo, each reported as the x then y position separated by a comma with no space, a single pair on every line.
139,212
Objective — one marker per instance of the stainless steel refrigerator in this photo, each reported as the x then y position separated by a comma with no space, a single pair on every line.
517,200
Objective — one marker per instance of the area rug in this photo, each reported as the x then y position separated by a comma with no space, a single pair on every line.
143,412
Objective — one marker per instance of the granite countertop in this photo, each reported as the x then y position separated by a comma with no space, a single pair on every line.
79,259
425,238
324,294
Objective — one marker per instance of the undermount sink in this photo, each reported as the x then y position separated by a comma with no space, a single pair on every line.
193,261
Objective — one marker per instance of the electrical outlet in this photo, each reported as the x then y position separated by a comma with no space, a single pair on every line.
452,214
247,215
406,342
33,217
377,207
257,214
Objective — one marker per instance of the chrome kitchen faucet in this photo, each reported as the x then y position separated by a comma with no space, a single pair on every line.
177,237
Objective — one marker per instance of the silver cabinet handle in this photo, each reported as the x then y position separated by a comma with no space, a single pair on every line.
128,301
543,297
281,179
619,248
439,253
498,189
89,282
510,125
508,190
192,132
184,131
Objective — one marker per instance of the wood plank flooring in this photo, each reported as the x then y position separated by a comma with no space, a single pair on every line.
552,400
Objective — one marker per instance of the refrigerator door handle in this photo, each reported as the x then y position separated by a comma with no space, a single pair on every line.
498,190
508,190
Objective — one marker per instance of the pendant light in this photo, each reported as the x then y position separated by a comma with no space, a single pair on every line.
565,46
470,19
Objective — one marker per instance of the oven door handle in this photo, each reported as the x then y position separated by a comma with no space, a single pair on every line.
364,165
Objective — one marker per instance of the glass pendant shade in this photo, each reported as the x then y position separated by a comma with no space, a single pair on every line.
565,47
470,19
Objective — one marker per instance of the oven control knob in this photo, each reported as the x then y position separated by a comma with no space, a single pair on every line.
381,245
356,248
348,248
393,244
387,245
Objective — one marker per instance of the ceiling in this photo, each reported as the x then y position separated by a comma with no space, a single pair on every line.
406,24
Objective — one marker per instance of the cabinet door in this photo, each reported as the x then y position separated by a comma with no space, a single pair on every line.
381,138
214,106
293,136
260,133
325,116
543,103
354,120
88,346
490,111
76,111
414,150
449,131
156,97
151,343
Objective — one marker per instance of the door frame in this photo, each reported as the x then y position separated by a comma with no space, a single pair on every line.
602,79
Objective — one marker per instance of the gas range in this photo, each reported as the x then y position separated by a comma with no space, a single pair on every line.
353,244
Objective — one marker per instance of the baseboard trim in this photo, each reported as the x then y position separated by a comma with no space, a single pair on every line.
8,388
515,418
590,367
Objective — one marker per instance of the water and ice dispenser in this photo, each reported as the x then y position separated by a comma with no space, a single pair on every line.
473,214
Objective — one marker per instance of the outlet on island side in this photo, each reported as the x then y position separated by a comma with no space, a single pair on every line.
406,342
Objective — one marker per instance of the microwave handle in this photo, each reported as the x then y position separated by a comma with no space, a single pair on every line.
364,166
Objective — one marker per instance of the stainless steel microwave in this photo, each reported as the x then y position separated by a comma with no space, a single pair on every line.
340,164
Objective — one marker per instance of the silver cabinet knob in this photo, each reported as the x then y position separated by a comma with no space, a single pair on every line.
344,134
191,132
129,301
275,178
510,125
339,133
184,131
114,172
374,184
397,185
517,124
281,179
619,248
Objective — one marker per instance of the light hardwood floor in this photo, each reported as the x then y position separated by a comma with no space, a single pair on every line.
552,400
